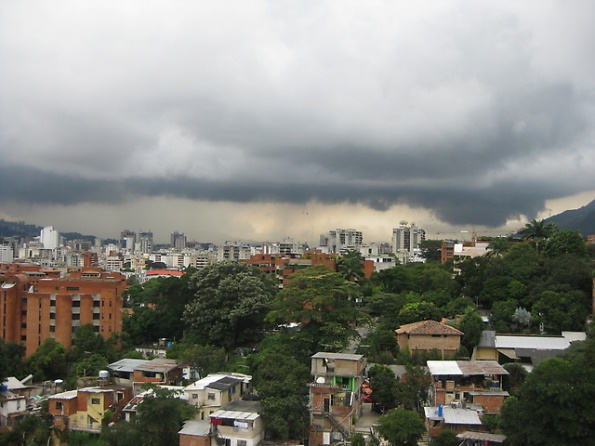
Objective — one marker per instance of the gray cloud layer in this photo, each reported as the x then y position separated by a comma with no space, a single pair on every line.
477,111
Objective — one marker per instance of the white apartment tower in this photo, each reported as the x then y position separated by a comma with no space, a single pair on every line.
342,239
145,241
406,239
50,238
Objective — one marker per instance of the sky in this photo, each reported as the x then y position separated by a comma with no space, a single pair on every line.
266,119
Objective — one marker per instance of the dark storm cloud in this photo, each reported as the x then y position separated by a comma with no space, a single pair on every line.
479,112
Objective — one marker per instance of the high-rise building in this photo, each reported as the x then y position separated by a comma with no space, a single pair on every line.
50,237
36,305
406,239
145,240
340,239
178,240
128,240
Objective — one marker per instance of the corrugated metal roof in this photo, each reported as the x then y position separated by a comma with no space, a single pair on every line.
126,365
468,368
534,342
482,436
157,365
461,416
196,428
346,356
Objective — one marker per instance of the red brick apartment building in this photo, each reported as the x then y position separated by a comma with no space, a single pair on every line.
37,304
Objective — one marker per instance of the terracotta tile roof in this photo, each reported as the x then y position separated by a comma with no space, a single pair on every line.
428,328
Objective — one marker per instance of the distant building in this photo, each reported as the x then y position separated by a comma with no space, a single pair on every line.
406,239
50,237
145,242
336,240
178,240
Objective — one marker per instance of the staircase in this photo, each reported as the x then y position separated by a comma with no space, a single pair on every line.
424,440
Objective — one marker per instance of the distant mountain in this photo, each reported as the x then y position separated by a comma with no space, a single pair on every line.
581,220
18,229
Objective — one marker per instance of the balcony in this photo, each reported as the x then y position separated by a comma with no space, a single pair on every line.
85,427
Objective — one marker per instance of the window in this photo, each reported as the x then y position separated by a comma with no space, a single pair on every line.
242,443
95,401
72,288
58,405
195,396
211,396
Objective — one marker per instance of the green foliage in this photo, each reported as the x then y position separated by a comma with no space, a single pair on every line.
91,365
401,427
324,305
285,417
565,242
384,385
517,374
431,250
74,438
358,439
382,346
419,311
158,307
231,301
30,431
48,362
563,311
471,325
446,438
204,358
554,405
161,415
11,359
350,265
122,434
277,375
412,389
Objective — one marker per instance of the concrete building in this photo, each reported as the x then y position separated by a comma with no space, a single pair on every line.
178,240
38,304
336,240
406,239
335,396
238,423
145,242
429,335
50,238
213,391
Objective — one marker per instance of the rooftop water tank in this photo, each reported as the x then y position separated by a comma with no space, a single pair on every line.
103,374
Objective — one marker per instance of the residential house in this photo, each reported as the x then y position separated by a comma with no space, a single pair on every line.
427,336
238,423
159,371
87,409
13,407
122,371
458,419
216,390
196,433
528,350
335,396
468,384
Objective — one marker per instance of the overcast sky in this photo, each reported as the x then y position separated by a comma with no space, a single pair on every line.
258,120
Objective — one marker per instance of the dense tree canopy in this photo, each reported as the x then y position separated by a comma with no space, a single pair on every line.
401,427
554,405
230,302
323,303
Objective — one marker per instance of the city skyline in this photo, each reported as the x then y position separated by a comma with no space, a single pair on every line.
267,119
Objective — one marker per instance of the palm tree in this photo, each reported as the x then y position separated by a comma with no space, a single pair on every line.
536,231
350,265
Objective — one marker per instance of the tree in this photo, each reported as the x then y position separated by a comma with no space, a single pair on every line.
431,250
11,359
350,265
537,231
517,374
48,362
565,242
231,301
522,317
161,415
324,305
412,389
204,359
384,386
563,311
554,405
471,325
447,438
401,427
